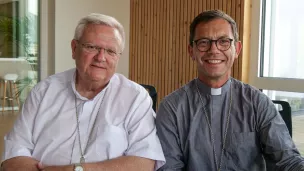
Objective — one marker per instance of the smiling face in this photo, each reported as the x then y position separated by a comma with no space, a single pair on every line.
96,67
214,65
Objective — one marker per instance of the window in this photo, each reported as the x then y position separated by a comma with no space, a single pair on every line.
277,56
282,38
19,44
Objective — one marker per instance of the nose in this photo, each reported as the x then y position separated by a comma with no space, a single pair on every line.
101,55
213,47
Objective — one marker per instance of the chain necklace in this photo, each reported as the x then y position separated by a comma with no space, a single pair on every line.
218,166
82,152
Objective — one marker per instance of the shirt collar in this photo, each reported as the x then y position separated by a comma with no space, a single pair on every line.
73,84
204,89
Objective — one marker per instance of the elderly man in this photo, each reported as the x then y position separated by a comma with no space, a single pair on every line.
88,118
216,122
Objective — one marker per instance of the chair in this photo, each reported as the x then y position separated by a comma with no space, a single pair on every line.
9,81
11,69
285,113
152,93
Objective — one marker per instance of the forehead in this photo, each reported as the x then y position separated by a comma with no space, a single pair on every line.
213,29
96,33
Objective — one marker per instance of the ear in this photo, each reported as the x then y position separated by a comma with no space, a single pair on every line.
73,47
190,51
238,48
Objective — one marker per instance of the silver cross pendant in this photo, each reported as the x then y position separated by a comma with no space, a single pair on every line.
82,160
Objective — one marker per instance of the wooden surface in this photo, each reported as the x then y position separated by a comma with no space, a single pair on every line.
159,34
7,120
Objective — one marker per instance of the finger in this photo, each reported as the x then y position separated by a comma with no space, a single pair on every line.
40,166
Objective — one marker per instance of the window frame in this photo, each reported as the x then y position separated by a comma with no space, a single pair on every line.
255,79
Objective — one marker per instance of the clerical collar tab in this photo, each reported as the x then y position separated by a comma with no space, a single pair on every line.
216,91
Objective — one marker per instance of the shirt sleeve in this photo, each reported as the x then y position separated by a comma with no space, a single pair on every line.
167,131
279,150
140,124
18,142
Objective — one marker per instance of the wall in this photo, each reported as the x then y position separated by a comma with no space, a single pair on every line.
67,15
159,38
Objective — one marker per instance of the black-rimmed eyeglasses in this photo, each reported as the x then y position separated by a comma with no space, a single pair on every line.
204,44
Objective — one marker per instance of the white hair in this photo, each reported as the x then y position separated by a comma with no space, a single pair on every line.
95,18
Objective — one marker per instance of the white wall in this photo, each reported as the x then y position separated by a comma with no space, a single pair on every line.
67,15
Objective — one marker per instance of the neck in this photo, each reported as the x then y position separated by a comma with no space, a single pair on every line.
89,88
214,82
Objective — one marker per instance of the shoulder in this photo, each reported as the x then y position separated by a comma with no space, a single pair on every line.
127,99
180,94
179,101
56,82
247,90
251,96
123,86
237,84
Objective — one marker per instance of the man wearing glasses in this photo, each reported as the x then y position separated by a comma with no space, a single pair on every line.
87,118
216,122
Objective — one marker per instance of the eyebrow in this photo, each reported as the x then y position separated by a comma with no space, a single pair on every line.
107,47
222,36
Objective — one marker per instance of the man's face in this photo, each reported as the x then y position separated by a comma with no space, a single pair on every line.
92,65
214,64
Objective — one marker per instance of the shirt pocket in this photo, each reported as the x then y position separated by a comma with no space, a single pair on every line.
111,142
243,150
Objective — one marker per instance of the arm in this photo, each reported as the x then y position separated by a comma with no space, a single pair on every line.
276,142
18,142
141,129
20,163
124,163
167,131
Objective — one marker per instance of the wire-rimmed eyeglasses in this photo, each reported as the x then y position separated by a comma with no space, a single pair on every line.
93,49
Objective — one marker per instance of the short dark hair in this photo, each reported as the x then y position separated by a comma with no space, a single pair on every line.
210,15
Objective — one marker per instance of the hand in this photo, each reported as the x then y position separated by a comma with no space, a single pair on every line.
42,167
20,163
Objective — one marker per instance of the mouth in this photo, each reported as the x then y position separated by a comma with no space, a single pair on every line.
214,61
99,67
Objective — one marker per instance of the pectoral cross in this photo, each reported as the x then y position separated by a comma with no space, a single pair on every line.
82,159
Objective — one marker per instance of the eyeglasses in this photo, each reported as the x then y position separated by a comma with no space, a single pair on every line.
204,44
92,49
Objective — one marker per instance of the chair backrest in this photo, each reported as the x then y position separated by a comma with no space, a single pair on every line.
285,113
152,93
19,66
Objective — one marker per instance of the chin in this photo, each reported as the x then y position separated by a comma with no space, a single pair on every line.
98,78
214,75
218,76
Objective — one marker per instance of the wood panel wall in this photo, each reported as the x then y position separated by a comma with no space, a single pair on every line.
159,31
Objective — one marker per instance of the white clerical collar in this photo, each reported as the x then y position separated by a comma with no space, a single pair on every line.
216,91
213,91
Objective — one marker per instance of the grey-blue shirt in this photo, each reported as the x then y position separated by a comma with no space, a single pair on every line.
256,134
